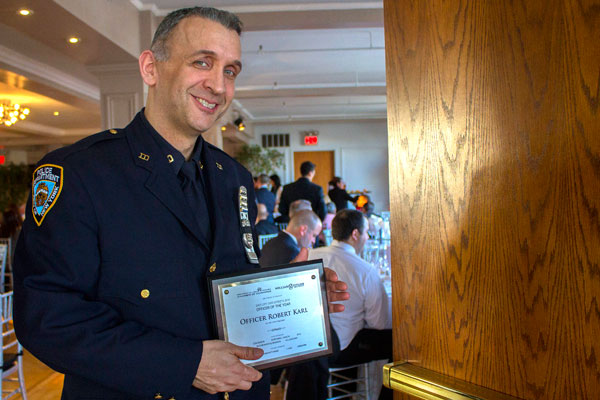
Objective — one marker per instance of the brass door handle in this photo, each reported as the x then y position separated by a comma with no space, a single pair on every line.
430,385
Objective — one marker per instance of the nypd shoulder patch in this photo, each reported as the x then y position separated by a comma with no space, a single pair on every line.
47,185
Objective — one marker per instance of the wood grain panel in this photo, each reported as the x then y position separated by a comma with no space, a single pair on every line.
494,140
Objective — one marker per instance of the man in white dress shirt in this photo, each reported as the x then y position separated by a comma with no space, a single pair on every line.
364,328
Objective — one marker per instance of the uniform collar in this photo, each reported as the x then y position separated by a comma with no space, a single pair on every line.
170,152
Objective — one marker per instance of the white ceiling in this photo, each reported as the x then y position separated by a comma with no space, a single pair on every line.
303,59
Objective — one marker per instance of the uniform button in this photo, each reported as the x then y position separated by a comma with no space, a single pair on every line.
171,398
113,131
226,396
158,396
145,293
213,267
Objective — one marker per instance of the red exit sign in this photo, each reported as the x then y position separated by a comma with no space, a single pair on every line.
311,140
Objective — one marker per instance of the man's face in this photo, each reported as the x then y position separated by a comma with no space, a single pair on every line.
308,238
195,85
341,185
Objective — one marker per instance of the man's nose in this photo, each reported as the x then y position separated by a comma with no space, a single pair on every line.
215,81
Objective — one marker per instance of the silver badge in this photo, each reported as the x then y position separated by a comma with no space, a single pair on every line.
246,229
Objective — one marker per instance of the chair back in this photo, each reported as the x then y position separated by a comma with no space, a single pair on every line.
348,382
262,239
11,356
4,262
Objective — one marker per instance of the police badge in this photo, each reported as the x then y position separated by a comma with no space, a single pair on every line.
246,227
47,185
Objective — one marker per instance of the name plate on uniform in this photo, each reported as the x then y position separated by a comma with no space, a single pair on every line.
283,310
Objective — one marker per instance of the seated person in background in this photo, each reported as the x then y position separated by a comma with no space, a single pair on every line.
295,206
331,210
375,221
327,221
338,194
301,231
264,195
298,205
276,189
364,328
263,226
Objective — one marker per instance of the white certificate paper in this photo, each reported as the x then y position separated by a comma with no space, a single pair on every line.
283,311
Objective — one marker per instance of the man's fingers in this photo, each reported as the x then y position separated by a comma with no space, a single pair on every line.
302,256
330,275
333,308
338,296
336,291
247,353
336,286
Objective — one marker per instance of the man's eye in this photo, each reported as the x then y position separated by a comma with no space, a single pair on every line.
201,63
230,72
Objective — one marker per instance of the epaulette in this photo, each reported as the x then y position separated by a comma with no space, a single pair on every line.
85,143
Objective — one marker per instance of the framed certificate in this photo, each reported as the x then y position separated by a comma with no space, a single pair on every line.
282,310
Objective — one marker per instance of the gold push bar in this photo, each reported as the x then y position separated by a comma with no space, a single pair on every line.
429,385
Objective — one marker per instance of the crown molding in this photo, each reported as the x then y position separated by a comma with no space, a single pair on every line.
263,8
46,73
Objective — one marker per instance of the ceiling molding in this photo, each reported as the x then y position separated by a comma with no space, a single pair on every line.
146,7
319,117
27,127
264,8
47,73
249,88
110,69
243,110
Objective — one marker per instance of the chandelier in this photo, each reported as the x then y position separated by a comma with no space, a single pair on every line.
12,113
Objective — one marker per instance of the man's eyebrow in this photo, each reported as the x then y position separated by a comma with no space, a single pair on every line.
238,63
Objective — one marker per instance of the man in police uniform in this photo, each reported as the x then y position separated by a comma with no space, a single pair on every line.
124,227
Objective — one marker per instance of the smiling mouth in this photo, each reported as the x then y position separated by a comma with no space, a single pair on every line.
210,106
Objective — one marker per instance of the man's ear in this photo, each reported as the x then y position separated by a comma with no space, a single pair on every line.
355,234
148,69
302,230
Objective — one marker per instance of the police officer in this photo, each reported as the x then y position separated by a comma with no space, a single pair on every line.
125,227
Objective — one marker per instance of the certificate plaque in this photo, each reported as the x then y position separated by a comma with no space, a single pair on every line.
283,310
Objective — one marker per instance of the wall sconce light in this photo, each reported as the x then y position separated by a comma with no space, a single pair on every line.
239,123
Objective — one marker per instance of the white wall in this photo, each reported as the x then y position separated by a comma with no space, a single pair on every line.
360,149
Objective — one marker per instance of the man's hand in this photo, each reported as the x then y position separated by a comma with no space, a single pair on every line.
336,289
221,370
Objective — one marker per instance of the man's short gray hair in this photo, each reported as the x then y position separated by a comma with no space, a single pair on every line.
305,217
159,42
298,205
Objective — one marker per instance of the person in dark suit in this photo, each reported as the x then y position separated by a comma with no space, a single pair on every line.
265,196
303,188
126,226
263,226
338,194
301,231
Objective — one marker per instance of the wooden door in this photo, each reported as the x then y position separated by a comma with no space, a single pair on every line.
494,141
324,160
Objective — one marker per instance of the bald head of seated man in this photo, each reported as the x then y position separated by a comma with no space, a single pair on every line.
301,231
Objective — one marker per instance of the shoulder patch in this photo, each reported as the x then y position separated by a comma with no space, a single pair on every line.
46,187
